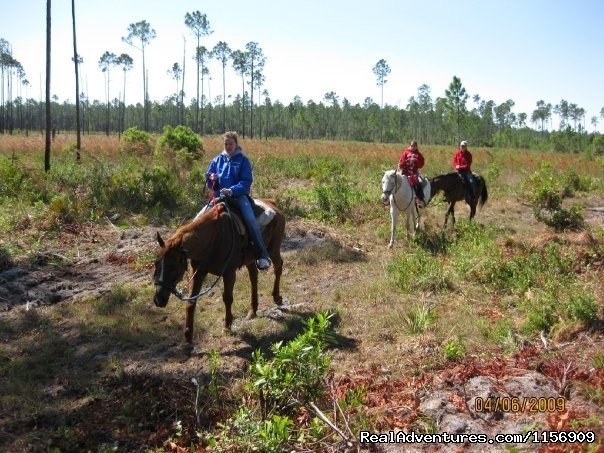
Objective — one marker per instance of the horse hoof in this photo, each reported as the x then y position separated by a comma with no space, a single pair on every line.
250,314
390,245
279,301
185,351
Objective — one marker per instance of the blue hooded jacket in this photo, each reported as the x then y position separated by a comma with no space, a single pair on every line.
234,173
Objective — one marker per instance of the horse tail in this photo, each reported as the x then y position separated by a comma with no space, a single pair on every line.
484,194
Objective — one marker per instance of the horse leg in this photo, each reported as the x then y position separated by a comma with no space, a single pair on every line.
450,212
228,282
393,218
472,208
410,222
278,269
252,270
453,213
190,309
190,316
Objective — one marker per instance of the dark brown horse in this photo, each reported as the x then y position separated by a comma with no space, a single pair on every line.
214,246
454,190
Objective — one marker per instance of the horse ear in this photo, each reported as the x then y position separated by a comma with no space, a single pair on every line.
162,244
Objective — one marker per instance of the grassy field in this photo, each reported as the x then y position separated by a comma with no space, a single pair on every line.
97,367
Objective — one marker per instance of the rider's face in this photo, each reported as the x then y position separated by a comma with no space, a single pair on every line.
229,146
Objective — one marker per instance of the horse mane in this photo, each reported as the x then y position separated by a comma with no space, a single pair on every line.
204,219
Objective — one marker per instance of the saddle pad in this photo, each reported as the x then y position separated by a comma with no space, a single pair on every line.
263,211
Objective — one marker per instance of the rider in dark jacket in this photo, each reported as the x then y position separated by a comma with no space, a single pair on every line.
410,162
462,161
230,174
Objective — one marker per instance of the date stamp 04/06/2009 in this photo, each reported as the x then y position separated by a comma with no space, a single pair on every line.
519,404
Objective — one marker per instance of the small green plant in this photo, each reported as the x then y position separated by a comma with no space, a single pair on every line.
454,349
214,357
426,424
598,360
420,319
275,433
352,398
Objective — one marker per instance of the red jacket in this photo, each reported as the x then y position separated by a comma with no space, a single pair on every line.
411,160
462,160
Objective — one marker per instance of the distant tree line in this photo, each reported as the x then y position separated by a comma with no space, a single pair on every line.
441,120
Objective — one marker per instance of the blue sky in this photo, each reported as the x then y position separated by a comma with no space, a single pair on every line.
524,50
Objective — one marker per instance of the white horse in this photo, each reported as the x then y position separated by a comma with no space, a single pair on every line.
397,192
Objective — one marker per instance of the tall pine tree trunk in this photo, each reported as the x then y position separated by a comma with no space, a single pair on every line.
77,78
48,109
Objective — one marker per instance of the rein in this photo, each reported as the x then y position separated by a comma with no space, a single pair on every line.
194,298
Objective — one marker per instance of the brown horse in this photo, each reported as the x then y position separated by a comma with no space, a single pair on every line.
454,189
214,246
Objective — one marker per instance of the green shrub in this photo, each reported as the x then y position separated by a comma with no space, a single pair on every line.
294,377
136,189
15,182
573,182
136,142
582,307
540,315
546,194
181,138
334,199
296,373
526,269
598,145
418,270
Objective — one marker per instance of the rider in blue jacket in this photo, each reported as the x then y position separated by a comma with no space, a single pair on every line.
230,174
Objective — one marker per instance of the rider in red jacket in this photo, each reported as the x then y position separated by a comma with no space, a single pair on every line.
410,162
462,161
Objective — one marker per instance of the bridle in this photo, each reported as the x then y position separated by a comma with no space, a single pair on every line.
395,190
172,288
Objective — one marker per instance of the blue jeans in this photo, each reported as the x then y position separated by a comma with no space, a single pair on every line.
470,179
245,208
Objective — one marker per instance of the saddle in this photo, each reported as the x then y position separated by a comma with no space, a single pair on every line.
263,212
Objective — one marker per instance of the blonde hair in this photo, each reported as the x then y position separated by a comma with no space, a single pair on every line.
232,135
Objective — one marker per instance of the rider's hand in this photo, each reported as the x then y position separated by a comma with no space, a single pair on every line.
227,192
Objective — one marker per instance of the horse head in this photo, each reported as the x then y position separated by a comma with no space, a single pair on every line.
388,185
170,267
